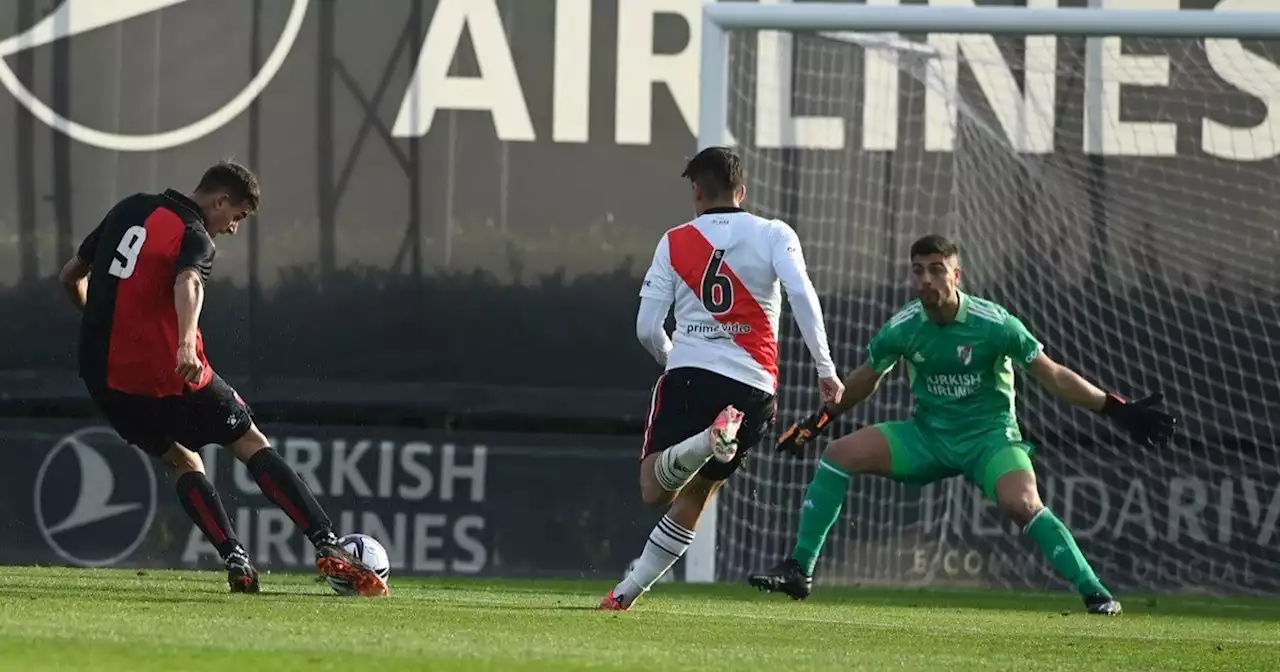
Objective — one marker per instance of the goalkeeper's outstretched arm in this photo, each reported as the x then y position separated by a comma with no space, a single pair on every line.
859,385
1066,384
1143,420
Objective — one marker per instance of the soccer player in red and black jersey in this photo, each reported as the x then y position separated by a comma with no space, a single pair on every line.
138,280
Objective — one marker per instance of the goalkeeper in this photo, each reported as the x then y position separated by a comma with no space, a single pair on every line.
960,352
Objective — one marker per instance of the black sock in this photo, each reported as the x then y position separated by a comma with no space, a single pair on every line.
281,485
202,504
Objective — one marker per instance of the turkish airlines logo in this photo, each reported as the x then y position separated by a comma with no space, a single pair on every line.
95,498
74,17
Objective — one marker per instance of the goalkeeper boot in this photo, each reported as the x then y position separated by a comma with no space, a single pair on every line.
723,434
336,562
787,577
1102,605
241,575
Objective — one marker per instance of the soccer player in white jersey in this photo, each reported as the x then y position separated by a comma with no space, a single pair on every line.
716,398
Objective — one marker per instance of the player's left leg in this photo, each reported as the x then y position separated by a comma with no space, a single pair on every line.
1006,475
147,424
692,421
667,543
708,396
217,414
203,505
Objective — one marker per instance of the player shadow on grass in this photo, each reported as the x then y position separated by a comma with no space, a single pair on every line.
1051,604
180,596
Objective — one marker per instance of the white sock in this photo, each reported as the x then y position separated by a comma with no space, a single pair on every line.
676,466
667,542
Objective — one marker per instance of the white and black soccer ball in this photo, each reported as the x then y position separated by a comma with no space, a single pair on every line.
369,551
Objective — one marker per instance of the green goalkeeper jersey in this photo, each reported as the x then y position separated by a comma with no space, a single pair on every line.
961,373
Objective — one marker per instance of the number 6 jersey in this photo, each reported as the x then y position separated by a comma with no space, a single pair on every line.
722,272
129,329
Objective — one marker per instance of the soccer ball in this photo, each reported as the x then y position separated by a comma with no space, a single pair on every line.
370,552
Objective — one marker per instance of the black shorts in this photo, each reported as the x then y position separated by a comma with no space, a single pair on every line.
687,400
213,414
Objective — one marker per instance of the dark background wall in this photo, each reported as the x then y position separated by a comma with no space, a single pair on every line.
386,266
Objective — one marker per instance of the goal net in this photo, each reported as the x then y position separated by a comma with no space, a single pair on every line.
1121,196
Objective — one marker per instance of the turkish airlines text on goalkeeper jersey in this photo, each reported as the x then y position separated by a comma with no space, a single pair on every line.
723,269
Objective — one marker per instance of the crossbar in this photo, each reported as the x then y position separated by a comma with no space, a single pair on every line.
1072,21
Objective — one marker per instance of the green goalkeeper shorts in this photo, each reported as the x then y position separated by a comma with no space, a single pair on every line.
921,455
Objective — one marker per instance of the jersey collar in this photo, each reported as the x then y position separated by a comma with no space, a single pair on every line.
721,211
963,311
186,203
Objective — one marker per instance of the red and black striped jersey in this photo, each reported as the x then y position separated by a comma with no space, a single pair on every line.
129,329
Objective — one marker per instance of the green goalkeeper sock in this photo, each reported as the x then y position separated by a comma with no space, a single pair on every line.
1057,544
822,503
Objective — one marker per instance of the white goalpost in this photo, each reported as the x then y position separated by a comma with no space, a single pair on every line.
1112,174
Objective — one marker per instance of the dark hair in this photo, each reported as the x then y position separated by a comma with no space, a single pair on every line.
934,244
239,183
718,170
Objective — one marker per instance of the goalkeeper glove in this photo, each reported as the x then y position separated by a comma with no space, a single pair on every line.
792,441
1145,423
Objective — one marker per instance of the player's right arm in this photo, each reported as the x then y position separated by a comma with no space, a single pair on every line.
74,275
656,296
195,262
883,353
789,265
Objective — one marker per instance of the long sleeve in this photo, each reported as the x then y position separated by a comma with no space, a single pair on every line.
656,296
788,263
651,327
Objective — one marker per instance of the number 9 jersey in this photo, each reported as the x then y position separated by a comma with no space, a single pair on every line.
722,273
129,329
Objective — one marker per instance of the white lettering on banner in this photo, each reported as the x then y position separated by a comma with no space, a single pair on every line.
342,468
1093,490
1027,120
1180,510
397,471
1128,138
1031,567
1256,76
418,542
497,89
1024,112
638,68
405,474
413,465
1135,497
304,455
776,125
571,88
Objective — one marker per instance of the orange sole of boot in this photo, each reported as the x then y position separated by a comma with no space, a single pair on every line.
365,582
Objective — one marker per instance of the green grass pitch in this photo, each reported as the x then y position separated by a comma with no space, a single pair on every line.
74,619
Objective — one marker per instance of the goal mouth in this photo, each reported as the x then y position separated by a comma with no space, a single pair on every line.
1110,176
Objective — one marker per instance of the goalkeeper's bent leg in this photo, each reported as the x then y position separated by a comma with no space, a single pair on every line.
823,501
1060,548
866,451
1018,497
